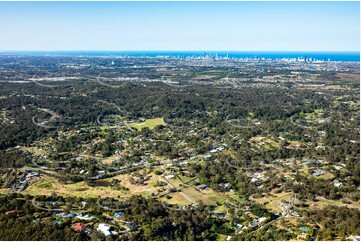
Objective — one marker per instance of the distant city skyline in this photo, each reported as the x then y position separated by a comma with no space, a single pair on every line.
180,26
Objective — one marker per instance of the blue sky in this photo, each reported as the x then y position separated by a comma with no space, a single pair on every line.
242,26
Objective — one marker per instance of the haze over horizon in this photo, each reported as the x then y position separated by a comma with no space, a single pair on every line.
180,26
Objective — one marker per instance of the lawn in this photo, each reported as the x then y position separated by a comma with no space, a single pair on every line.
45,183
150,123
221,209
186,179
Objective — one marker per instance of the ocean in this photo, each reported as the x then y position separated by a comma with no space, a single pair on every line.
322,55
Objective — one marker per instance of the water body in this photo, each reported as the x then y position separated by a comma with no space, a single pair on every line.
333,56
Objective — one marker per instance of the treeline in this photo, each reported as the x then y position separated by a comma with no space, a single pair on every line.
335,222
160,223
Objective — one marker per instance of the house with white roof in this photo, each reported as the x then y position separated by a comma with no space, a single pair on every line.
105,229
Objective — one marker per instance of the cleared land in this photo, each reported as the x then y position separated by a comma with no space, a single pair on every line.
327,202
177,199
47,185
272,203
150,123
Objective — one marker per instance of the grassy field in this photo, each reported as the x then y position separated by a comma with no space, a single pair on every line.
273,202
150,123
221,209
43,184
233,196
177,199
264,142
186,179
175,182
295,144
327,202
316,114
2,190
35,150
208,196
327,176
47,185
349,77
145,190
108,160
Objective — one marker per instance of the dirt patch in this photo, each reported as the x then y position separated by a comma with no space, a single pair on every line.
349,77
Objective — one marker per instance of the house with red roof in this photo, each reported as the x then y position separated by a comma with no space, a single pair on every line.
10,211
79,227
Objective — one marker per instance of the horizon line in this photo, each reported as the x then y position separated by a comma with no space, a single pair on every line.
181,50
